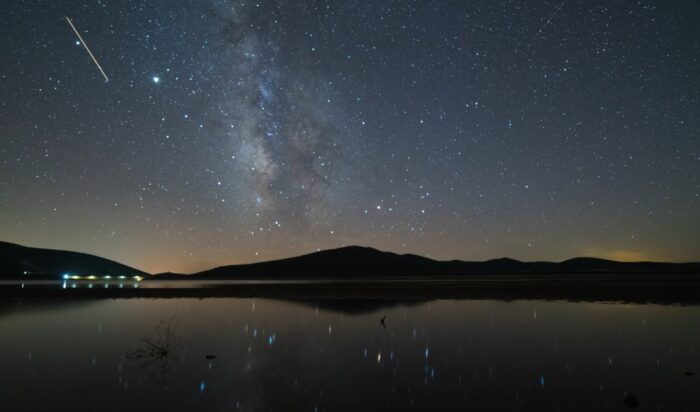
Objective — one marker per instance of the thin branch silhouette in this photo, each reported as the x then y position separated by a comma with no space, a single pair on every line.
158,349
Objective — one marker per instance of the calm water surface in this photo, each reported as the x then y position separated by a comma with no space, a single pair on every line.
334,355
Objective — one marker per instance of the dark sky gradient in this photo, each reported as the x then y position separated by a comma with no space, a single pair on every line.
232,132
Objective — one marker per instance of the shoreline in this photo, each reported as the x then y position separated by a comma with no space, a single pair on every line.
599,288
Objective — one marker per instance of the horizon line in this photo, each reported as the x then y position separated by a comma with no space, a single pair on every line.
364,247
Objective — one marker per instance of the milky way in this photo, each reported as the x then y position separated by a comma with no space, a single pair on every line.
283,141
233,132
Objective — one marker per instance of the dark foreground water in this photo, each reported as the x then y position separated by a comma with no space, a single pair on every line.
335,355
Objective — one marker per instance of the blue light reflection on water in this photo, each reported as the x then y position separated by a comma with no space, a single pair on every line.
449,354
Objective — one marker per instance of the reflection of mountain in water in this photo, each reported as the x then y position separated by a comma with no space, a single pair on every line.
356,306
15,305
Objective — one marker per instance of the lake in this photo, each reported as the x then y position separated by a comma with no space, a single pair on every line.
327,355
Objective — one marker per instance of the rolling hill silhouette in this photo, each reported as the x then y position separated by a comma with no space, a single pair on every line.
362,262
15,260
346,262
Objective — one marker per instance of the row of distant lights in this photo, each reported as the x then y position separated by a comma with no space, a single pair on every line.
75,277
67,277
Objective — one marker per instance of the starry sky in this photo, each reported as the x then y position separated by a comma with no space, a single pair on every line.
233,132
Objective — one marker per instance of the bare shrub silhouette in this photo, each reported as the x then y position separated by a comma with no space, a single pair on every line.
158,349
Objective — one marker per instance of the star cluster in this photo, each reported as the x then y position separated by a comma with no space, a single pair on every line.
231,132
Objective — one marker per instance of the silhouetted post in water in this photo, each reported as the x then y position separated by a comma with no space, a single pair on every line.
382,321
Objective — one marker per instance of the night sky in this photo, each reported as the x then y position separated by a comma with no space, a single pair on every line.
232,132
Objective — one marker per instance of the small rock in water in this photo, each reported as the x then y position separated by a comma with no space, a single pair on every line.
631,401
689,373
210,356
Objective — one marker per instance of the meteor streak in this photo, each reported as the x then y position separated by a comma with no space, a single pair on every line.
549,20
86,48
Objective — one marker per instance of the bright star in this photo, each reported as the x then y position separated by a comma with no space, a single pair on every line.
156,79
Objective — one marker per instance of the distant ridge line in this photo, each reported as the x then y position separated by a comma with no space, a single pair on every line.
344,262
17,261
360,261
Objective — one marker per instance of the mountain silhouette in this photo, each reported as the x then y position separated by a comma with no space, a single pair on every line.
16,260
363,262
351,262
